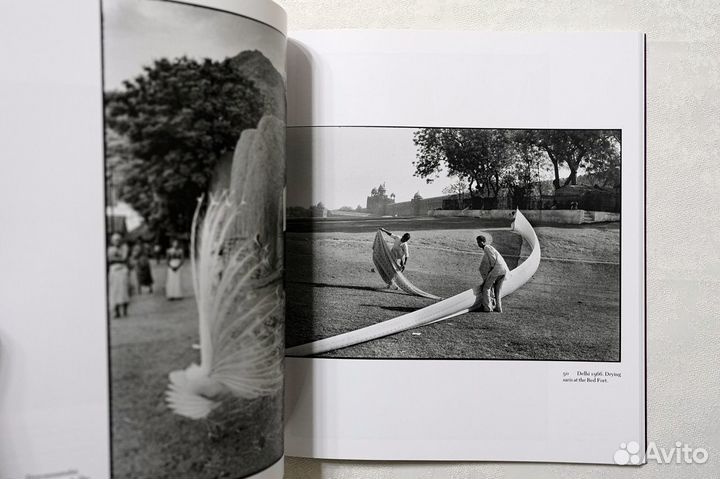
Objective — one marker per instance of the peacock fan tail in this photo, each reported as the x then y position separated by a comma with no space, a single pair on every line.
237,279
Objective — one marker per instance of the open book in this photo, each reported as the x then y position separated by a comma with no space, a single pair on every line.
392,245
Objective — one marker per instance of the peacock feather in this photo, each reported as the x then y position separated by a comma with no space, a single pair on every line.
237,279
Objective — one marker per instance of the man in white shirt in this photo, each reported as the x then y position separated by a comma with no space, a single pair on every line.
399,252
493,270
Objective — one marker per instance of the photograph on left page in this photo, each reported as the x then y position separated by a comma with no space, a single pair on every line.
194,106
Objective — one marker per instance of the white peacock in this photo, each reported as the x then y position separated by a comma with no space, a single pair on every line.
237,278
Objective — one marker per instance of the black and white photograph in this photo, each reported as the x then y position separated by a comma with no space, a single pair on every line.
194,102
453,243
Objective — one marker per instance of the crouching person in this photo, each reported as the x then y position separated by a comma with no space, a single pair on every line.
493,270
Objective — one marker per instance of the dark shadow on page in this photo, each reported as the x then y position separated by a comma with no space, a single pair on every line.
12,363
300,249
299,254
9,443
343,286
299,307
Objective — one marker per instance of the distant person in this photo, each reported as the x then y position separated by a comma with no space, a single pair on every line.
132,268
175,260
157,253
118,276
399,252
493,270
143,269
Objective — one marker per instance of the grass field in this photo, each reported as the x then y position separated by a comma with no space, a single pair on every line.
569,310
148,440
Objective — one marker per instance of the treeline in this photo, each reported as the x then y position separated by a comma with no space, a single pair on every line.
486,160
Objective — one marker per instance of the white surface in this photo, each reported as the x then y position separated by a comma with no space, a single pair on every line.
683,107
474,410
53,362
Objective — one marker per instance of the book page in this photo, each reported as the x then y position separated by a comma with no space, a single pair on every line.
465,247
155,348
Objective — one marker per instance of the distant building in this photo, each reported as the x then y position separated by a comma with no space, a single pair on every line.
417,206
318,211
378,201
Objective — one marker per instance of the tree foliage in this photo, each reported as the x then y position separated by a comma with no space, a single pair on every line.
178,119
524,172
488,159
577,150
475,156
458,189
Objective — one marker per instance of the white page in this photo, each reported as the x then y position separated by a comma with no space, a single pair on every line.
468,409
54,381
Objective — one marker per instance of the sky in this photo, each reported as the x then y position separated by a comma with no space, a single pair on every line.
135,32
339,166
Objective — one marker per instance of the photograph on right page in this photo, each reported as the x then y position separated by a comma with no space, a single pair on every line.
453,243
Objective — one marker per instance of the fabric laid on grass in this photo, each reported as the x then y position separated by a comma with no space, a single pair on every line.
442,310
389,270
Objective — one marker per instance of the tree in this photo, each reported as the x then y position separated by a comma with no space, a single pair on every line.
458,189
117,159
524,171
473,155
519,178
574,149
180,117
603,167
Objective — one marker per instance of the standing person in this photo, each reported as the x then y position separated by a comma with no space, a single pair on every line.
157,253
175,259
143,269
399,251
493,270
132,269
118,276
